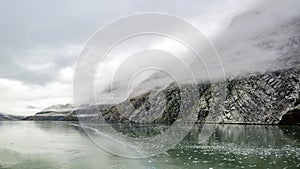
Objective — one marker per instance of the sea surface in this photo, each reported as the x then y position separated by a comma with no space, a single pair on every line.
63,145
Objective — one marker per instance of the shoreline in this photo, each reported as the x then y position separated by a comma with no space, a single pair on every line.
134,123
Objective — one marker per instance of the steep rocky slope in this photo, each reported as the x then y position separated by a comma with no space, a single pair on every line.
265,98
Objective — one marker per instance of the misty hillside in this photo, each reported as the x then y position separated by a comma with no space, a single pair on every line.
268,98
258,98
262,83
253,42
262,67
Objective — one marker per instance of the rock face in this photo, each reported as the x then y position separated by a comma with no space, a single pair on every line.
263,98
267,98
291,116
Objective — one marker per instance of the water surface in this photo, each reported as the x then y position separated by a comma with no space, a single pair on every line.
63,145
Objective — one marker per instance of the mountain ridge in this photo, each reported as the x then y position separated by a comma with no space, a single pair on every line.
258,98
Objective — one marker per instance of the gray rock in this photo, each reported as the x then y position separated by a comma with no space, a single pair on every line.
263,98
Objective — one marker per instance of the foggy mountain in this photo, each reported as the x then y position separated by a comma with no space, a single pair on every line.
253,42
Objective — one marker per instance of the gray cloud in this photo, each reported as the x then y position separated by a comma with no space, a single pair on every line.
28,25
37,66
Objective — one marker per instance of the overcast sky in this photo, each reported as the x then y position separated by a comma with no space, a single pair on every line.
41,39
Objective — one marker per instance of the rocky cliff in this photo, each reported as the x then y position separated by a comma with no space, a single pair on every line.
263,98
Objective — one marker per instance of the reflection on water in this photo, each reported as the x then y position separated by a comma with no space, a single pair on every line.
63,145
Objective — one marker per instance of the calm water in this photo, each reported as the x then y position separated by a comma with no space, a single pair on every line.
31,145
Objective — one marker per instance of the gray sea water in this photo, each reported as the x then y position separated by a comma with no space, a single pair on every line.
62,145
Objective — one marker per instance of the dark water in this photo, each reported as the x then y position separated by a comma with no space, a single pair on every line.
46,145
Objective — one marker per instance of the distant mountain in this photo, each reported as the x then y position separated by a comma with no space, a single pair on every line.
5,117
61,112
59,108
66,112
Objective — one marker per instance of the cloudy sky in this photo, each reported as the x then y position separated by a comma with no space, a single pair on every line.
40,41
